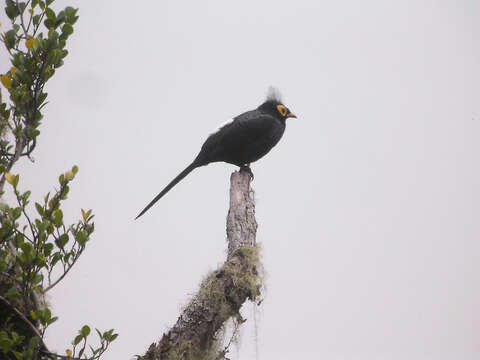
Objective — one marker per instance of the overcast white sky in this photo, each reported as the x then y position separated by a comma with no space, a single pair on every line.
367,209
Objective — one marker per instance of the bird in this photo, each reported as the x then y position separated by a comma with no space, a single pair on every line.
240,141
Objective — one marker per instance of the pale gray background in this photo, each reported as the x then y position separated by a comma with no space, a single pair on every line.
368,208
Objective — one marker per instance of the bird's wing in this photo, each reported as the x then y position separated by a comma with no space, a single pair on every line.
246,127
253,123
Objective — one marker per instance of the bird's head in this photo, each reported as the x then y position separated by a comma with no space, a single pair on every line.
273,106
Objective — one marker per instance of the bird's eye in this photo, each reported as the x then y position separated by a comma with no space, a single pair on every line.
282,110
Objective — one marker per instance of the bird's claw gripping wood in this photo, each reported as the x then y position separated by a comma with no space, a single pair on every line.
248,170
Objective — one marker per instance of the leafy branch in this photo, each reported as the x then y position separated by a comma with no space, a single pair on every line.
35,56
38,250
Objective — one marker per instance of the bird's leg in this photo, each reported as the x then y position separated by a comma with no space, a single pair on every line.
246,168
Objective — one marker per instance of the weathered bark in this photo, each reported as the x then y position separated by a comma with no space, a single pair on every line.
241,223
223,292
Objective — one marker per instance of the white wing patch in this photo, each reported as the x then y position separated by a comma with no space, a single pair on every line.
221,126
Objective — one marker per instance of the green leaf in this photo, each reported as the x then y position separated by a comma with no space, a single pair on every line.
26,247
34,341
47,249
3,207
11,10
41,98
77,339
50,13
48,73
36,20
56,258
5,343
107,334
12,293
22,6
60,17
65,193
67,29
53,37
26,195
49,227
47,314
49,23
58,218
24,77
37,279
40,225
85,331
52,320
70,15
38,116
10,39
19,60
19,239
62,241
16,212
40,210
52,56
81,237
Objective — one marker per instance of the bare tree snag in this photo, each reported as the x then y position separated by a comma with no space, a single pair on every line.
197,333
241,223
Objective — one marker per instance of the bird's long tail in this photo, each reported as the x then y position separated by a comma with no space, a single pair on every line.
174,182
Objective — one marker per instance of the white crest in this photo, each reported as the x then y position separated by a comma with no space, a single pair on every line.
273,94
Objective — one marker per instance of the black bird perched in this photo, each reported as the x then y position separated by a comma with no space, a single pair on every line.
241,141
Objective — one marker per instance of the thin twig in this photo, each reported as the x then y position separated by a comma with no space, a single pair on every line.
21,17
32,228
65,272
31,18
39,22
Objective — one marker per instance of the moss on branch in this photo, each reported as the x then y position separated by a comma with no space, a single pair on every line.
198,332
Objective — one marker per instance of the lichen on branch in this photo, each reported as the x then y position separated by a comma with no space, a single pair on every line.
198,332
